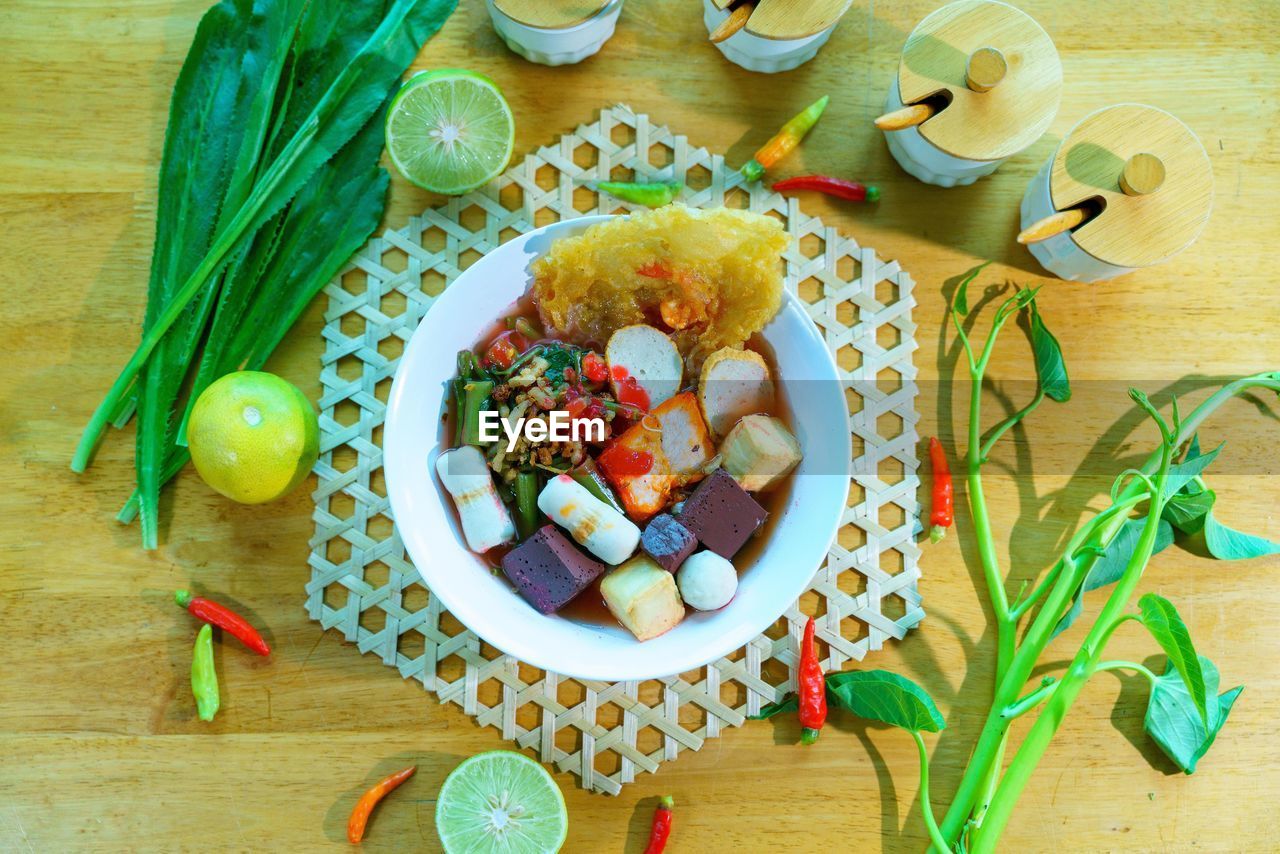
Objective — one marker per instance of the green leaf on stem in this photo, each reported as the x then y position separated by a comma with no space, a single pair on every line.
790,703
879,695
1191,467
1174,722
1111,564
1226,543
1188,510
1050,366
961,299
1167,627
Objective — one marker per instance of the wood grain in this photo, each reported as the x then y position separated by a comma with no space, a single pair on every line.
795,19
100,747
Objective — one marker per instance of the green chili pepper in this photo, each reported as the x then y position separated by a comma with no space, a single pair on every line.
588,475
653,195
204,679
785,140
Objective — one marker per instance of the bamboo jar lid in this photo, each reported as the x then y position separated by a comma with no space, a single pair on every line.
550,14
791,19
1147,171
996,66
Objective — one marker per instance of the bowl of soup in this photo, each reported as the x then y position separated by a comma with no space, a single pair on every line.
615,447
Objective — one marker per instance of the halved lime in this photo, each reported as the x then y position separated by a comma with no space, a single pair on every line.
450,130
501,802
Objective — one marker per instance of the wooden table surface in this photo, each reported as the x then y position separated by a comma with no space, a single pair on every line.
99,746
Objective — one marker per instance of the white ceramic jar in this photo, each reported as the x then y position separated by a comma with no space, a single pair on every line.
562,46
767,56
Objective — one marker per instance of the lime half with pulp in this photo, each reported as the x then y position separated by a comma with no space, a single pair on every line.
450,130
501,802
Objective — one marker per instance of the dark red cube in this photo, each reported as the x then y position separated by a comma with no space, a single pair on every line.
667,542
721,514
548,570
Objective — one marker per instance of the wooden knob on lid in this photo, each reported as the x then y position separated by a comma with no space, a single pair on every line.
550,14
1143,173
1147,172
985,69
996,68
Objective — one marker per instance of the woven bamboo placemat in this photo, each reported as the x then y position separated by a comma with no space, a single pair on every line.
362,582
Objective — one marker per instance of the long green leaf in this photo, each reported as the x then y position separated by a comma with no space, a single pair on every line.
1110,565
354,96
331,218
879,695
1167,627
329,37
219,120
1050,366
1174,721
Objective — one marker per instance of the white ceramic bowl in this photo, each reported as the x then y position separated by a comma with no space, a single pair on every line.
486,603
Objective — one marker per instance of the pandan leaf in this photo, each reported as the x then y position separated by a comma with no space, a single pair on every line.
219,118
355,94
1050,366
1110,565
961,299
879,695
790,703
1167,627
1174,721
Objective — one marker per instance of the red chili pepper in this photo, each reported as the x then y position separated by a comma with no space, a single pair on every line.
594,369
812,689
838,187
224,618
369,800
660,830
943,492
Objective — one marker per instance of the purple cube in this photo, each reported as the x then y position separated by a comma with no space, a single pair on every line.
721,514
667,542
548,570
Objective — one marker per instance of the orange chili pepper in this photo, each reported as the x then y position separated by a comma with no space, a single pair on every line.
784,141
369,800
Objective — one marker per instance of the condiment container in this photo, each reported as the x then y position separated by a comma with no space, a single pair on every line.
554,32
994,79
1146,180
780,34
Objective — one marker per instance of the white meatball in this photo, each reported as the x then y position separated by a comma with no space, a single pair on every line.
707,581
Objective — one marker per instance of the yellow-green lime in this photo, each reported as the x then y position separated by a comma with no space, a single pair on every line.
253,436
450,130
500,802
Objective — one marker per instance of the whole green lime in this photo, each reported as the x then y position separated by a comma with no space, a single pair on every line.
253,436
